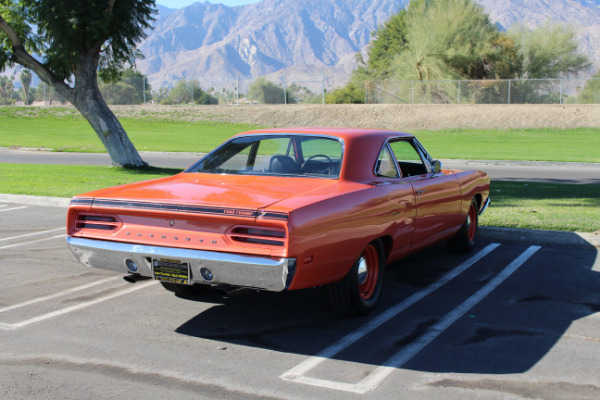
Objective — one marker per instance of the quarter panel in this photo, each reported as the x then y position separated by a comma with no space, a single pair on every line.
328,236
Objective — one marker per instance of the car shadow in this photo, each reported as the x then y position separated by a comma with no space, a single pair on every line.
508,332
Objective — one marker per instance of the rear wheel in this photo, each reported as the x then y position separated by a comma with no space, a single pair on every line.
357,293
465,238
184,290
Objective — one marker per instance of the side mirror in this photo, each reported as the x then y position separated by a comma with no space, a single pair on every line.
436,167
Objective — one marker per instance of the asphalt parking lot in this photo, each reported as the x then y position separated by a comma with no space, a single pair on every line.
515,319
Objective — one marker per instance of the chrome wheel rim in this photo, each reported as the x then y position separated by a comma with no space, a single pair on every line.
368,272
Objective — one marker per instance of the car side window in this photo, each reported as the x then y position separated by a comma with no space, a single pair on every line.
385,164
238,162
409,159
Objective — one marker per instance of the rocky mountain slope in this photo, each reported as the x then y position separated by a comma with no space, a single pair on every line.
216,43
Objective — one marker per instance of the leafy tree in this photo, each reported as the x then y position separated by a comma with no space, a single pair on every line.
267,92
132,88
447,39
548,51
189,92
391,39
443,40
224,96
74,41
26,79
349,94
48,94
161,95
121,93
590,94
301,94
6,90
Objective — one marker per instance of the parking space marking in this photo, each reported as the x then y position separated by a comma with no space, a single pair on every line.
374,379
58,294
12,209
297,373
32,234
62,311
31,242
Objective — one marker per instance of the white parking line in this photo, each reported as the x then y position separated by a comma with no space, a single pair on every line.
373,380
11,209
31,241
62,311
297,373
32,234
59,294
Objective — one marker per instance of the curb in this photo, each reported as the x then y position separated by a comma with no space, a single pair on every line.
547,238
35,200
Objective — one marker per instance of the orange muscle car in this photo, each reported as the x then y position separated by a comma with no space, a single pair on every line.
284,209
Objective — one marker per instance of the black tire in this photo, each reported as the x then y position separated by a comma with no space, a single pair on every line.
185,290
464,240
358,292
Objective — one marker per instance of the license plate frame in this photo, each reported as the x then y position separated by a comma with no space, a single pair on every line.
170,270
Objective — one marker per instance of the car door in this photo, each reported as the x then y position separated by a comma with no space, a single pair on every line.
400,203
437,195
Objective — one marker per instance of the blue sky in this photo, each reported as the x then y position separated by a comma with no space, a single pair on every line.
183,3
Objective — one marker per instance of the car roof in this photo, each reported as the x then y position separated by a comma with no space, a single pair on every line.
343,133
362,146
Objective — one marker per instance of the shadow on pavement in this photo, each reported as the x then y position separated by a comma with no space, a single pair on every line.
508,332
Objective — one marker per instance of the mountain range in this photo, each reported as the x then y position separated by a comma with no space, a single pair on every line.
214,43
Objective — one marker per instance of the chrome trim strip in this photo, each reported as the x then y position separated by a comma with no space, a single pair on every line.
178,208
273,274
485,206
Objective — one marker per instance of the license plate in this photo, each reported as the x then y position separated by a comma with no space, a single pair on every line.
168,270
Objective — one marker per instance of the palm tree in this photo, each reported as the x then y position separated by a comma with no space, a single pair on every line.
26,78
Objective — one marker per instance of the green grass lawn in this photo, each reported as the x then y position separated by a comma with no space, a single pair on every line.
69,180
543,206
64,129
544,144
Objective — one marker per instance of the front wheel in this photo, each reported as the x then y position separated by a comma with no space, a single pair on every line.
357,293
464,240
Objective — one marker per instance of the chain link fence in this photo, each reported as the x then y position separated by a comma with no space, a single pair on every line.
511,91
312,89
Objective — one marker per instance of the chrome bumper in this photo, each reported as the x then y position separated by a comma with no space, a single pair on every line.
227,268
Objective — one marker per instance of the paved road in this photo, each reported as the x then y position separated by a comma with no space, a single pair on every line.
579,173
514,319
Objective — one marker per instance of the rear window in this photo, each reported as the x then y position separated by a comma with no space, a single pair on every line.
278,155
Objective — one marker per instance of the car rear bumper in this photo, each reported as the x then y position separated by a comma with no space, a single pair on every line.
226,268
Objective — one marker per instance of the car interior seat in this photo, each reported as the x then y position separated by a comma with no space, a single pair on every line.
283,165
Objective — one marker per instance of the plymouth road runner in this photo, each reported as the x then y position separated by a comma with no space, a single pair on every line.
284,209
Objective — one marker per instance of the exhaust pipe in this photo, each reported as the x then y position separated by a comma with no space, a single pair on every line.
133,278
226,290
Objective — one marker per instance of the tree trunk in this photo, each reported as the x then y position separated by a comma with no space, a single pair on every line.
94,109
89,101
109,130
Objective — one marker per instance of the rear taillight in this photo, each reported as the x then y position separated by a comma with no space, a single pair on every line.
257,235
98,222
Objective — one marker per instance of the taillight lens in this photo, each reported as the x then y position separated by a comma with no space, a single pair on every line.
258,235
97,222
